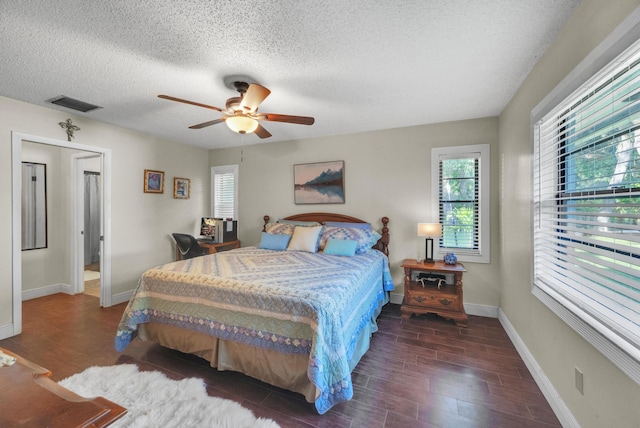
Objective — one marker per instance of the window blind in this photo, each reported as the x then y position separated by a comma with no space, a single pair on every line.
459,201
586,191
224,195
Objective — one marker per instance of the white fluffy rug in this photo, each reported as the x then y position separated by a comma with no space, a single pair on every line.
153,400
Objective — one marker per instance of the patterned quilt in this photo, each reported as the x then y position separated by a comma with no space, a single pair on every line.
292,302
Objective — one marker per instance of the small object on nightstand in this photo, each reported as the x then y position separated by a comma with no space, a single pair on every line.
450,259
427,279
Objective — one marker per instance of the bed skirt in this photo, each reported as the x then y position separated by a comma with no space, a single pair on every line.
287,371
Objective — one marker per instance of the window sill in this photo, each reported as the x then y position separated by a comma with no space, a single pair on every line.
462,257
628,362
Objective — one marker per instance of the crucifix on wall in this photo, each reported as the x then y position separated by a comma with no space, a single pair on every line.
69,128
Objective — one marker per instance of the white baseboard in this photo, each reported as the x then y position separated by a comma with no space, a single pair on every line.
6,331
396,298
66,288
121,297
46,291
551,394
481,310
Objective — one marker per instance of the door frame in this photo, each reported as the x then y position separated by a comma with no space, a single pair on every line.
16,209
77,216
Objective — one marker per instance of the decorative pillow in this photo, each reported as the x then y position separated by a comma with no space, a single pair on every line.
340,247
279,228
305,239
270,241
366,238
299,223
366,226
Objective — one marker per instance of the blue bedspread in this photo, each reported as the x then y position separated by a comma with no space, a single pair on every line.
292,302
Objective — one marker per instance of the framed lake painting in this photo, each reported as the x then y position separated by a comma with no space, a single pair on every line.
319,183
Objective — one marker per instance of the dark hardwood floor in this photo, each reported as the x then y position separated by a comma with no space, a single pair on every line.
421,372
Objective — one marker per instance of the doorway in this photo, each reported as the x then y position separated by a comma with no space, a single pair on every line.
77,220
91,272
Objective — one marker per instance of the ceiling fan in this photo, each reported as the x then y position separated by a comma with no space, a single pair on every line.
241,113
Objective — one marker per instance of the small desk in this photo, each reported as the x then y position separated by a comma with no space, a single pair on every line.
29,398
213,247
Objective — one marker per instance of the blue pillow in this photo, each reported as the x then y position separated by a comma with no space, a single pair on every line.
270,241
365,238
365,226
341,247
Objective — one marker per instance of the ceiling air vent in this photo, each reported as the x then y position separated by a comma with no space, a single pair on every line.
78,105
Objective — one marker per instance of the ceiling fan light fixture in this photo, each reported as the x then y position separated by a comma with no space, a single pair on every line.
241,113
242,124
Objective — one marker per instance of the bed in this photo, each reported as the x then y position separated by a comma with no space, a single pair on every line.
291,317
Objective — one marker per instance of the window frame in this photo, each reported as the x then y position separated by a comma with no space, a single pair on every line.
603,337
483,153
225,169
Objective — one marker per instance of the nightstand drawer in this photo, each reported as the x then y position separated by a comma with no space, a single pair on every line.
432,300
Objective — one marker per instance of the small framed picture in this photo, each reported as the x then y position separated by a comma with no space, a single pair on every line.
153,181
181,188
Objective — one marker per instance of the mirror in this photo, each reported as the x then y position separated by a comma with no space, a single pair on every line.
34,205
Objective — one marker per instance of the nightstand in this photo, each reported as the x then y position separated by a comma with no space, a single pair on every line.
444,300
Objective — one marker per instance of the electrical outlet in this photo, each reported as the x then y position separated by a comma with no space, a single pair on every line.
579,381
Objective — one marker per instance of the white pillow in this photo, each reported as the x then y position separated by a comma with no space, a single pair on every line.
305,239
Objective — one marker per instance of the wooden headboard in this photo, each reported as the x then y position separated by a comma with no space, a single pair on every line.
382,244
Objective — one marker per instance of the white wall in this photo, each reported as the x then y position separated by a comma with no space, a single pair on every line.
610,398
49,266
387,173
141,222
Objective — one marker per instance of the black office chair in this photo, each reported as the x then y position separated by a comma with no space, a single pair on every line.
188,246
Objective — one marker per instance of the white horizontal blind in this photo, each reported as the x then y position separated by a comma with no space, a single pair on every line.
587,201
459,201
224,192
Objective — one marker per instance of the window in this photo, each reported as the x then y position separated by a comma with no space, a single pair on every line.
587,208
224,191
460,179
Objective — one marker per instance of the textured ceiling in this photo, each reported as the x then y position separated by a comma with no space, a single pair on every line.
354,65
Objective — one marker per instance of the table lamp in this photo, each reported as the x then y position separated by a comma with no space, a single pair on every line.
430,230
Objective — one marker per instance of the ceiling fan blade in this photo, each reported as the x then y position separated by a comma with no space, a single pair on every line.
261,132
301,120
205,124
193,103
253,97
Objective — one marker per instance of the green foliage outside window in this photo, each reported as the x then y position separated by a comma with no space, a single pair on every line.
459,202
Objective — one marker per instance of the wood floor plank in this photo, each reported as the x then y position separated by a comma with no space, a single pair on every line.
419,372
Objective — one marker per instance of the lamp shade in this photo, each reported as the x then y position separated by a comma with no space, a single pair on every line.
242,124
432,230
